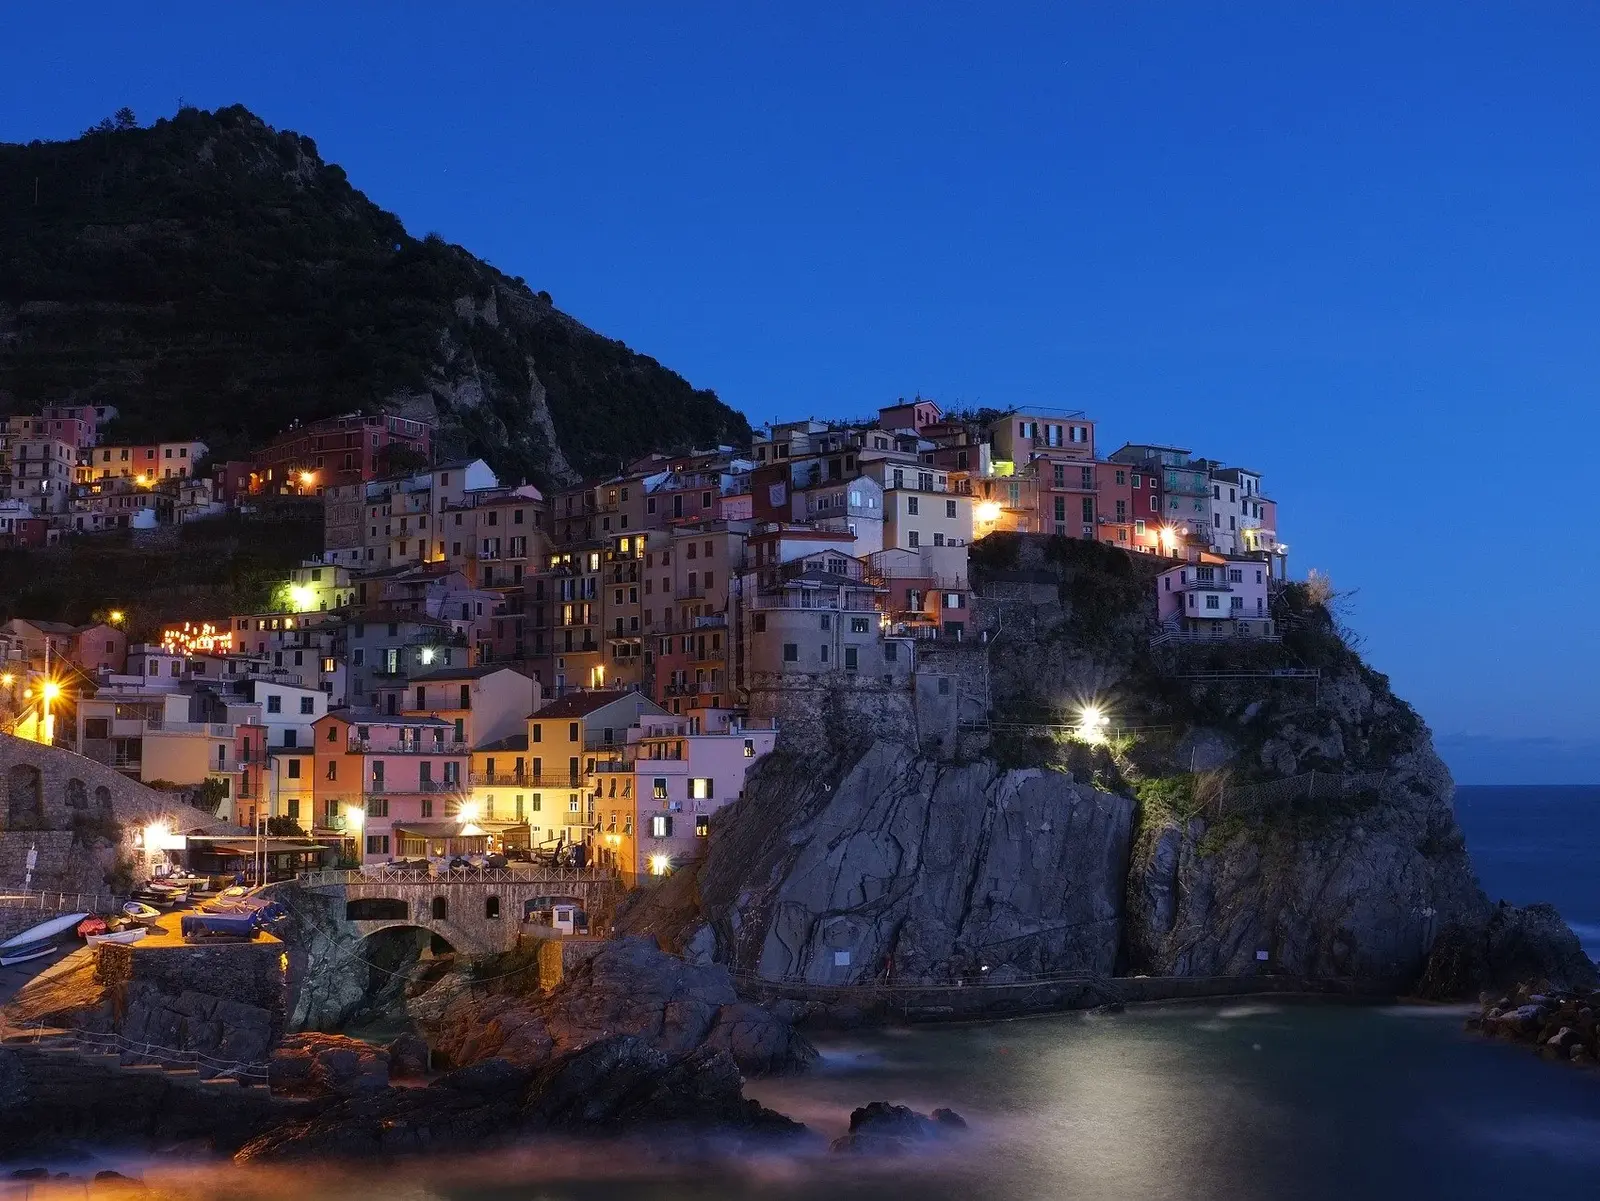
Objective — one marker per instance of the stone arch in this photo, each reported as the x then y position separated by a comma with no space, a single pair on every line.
383,909
102,799
440,909
24,797
77,794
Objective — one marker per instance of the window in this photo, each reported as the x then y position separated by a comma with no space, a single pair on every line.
661,825
1213,602
850,658
859,625
913,539
700,788
1235,575
758,623
749,748
911,505
791,652
308,704
572,731
377,844
949,508
377,806
538,733
333,769
274,704
827,621
293,769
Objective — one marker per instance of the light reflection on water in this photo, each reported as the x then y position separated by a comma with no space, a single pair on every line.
1232,1103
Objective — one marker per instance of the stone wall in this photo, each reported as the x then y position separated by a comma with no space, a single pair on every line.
227,1000
80,815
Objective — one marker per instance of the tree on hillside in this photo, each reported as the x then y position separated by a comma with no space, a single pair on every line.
125,119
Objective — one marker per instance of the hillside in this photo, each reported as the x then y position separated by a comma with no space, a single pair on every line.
211,276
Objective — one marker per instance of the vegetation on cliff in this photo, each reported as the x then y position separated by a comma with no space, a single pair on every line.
214,277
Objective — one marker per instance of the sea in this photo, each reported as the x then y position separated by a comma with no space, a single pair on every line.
1240,1101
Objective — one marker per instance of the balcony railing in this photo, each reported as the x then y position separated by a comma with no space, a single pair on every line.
368,747
499,777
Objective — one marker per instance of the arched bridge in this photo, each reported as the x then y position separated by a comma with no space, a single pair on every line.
478,911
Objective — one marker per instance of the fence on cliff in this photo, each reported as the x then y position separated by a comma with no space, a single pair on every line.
1307,786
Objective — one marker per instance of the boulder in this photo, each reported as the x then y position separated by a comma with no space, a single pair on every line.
628,987
409,1057
761,1043
327,1065
880,1128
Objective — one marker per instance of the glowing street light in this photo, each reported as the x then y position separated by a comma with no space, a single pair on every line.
1092,723
307,478
467,812
660,865
987,512
301,597
117,617
355,817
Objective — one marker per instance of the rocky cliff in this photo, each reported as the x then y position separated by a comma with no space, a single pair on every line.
214,277
1262,806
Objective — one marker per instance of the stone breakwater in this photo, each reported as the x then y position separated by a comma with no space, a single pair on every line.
1559,1025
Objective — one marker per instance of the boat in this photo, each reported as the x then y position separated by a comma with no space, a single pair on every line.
38,941
140,912
133,934
92,925
208,927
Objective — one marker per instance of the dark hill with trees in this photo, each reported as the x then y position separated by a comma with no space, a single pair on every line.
214,277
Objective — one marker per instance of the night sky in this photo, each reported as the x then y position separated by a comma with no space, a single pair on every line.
1353,249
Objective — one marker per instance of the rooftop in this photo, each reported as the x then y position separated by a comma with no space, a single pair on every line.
464,673
580,704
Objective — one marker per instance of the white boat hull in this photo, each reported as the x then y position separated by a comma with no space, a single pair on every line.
23,954
120,936
43,932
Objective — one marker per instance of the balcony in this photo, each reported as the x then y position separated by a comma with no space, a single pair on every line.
450,746
493,778
856,601
689,592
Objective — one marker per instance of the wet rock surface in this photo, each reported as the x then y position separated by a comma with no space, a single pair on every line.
629,987
616,1084
327,1065
881,1128
1561,1025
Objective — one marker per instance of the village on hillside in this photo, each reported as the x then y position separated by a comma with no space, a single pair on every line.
475,668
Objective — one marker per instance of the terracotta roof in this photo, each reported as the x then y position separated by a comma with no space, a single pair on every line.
580,704
464,673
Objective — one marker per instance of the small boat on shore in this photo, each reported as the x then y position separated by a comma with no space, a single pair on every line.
38,941
140,912
130,935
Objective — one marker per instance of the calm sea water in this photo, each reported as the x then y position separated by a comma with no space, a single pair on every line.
1238,1102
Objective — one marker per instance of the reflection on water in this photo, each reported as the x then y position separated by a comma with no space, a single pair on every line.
1234,1102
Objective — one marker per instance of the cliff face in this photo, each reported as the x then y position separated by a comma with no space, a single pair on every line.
1264,806
917,869
214,277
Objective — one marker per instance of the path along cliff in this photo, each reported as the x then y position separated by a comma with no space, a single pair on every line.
1255,806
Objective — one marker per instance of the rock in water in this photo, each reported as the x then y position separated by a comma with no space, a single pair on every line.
879,1128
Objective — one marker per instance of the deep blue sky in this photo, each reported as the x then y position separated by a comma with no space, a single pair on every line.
1355,249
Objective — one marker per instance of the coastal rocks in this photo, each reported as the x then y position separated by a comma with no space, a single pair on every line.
628,987
1559,1024
1511,944
880,1128
409,1058
899,865
327,1065
613,1084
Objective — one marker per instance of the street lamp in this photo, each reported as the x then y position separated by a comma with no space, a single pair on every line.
1092,723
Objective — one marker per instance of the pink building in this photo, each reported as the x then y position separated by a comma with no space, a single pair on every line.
1216,597
375,772
679,778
